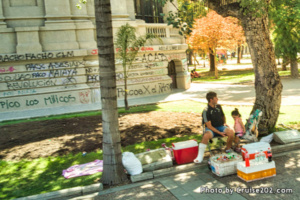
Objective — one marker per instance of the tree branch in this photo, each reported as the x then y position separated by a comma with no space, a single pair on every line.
226,10
174,5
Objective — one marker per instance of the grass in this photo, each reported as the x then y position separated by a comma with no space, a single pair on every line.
231,76
29,177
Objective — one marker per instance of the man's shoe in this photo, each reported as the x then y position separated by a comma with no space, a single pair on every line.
228,151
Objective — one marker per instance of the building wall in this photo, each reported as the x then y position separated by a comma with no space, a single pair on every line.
49,63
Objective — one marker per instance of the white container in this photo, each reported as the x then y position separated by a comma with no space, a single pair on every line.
256,171
224,168
255,147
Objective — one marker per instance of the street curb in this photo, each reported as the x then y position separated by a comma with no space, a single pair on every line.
147,176
76,191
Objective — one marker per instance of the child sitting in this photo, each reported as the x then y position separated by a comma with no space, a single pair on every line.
239,128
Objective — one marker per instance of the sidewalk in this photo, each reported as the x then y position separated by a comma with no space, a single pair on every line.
229,94
185,182
200,183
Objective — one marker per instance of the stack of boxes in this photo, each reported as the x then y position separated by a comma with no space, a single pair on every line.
258,162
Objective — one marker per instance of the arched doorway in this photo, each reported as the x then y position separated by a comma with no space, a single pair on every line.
172,73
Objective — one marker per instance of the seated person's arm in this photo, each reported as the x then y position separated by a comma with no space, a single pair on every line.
209,126
224,119
243,126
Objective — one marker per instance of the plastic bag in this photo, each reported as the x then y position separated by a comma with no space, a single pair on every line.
131,163
267,139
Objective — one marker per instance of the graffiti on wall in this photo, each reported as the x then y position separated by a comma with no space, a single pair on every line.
30,102
32,56
35,78
80,97
7,70
54,65
146,90
18,92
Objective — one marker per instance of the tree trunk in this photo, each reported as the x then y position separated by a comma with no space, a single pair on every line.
212,62
126,93
242,52
294,69
216,66
285,62
279,61
190,58
239,54
268,85
196,61
113,170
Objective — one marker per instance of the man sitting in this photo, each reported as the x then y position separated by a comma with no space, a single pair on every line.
215,122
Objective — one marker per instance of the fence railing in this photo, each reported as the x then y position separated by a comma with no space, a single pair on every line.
162,30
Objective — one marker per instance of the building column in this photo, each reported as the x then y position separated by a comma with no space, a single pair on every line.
28,40
84,26
59,32
119,10
2,23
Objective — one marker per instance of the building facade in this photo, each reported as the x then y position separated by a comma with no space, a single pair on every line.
49,63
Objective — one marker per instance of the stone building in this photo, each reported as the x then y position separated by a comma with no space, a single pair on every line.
49,63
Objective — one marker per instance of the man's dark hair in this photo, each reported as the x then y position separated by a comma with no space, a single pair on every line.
210,95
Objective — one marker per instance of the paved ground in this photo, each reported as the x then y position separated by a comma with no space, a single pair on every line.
188,185
228,94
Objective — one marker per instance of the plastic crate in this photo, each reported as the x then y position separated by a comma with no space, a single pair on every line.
225,167
256,171
255,147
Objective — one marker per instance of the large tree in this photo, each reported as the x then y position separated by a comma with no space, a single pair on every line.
268,87
214,31
183,19
254,18
113,170
285,18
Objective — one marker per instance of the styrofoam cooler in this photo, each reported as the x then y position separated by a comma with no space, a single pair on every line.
255,147
185,152
256,171
224,168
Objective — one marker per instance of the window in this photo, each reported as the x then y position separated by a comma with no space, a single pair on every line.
148,10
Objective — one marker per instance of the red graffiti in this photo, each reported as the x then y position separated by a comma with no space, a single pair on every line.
10,69
84,97
147,49
94,51
129,49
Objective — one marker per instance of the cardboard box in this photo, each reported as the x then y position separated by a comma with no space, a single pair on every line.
222,167
185,152
256,171
255,147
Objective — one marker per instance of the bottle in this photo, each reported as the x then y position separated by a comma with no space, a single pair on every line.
247,162
256,157
269,155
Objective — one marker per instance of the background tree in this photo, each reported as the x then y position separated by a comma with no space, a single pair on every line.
285,16
214,31
254,19
128,46
184,18
113,170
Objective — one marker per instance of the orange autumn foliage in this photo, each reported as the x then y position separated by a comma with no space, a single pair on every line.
215,31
